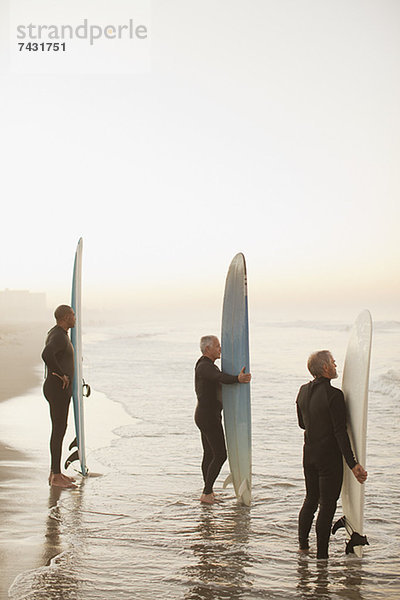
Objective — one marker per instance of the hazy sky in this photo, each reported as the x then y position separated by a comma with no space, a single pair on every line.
266,127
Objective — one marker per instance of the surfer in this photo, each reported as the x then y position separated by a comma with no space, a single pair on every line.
321,412
208,380
58,355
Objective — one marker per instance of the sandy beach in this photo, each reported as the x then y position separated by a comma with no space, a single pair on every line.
29,535
21,478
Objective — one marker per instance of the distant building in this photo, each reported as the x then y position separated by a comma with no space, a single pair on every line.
22,305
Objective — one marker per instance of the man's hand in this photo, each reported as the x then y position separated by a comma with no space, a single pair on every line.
244,377
64,379
359,473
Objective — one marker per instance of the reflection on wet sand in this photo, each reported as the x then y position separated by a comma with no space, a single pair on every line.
353,579
324,579
59,578
221,556
52,545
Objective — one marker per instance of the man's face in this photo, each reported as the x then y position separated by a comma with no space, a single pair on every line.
330,368
70,319
215,349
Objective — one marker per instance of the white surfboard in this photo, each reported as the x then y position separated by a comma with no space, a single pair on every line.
355,388
236,397
78,384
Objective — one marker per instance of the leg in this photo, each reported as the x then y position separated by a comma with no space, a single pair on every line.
330,483
214,435
59,414
310,505
59,401
207,456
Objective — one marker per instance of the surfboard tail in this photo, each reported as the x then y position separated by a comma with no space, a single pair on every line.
244,493
76,456
72,458
227,481
356,539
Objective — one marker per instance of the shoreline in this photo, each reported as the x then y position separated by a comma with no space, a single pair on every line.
27,541
20,348
21,345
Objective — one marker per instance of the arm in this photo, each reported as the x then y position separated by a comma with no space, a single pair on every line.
299,416
304,390
55,345
210,372
337,409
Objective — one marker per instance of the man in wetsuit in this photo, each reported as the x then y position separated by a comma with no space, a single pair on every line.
321,412
58,354
208,380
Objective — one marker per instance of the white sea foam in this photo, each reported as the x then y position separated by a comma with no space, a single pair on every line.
387,384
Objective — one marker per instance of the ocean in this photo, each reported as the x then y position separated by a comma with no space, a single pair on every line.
135,527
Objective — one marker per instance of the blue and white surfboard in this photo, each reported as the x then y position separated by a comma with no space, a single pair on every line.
78,383
236,397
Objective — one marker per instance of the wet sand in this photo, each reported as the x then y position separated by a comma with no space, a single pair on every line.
30,535
21,477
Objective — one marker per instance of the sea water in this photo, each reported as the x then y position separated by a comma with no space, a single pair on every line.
138,529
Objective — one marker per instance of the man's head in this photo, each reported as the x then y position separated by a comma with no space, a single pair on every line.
210,347
322,364
65,316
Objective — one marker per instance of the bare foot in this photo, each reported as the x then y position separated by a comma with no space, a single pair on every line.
207,498
59,480
66,477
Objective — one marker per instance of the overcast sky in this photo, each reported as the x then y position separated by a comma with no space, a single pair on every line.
266,127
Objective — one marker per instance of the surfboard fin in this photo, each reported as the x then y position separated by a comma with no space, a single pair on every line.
356,540
73,444
227,481
339,524
74,456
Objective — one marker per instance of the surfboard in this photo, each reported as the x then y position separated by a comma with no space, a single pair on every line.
236,398
78,385
355,388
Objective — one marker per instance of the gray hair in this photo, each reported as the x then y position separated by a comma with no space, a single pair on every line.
317,361
205,341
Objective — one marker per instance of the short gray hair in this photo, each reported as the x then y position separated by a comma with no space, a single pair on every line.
317,361
205,341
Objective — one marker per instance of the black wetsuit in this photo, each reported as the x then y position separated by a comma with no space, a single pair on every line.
58,355
321,412
208,380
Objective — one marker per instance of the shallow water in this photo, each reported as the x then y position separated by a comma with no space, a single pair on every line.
138,530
